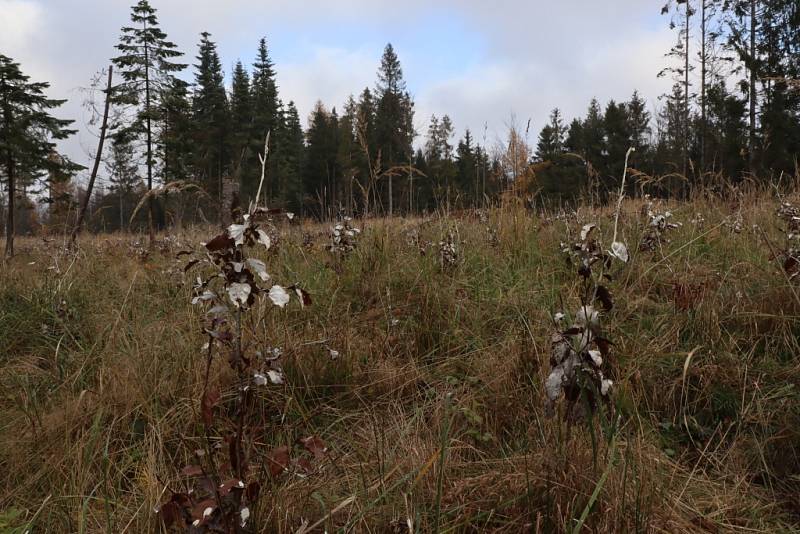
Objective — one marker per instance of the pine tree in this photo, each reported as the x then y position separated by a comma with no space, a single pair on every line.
294,156
638,124
673,131
594,135
176,133
681,53
618,140
467,168
27,131
241,110
266,118
727,139
348,152
316,170
394,116
123,171
574,142
551,139
211,119
146,69
743,29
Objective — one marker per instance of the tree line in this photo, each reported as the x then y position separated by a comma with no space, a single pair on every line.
733,111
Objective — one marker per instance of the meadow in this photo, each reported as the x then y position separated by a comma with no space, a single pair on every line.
402,388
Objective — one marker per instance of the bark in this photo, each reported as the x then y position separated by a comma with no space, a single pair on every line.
97,158
751,148
11,208
150,208
703,69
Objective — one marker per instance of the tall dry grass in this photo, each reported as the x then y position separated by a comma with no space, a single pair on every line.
433,411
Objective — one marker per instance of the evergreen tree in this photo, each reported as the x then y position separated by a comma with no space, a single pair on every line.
317,160
294,155
467,168
594,135
123,171
574,141
551,139
638,124
211,119
618,140
27,131
673,131
727,139
147,70
266,118
241,115
177,132
348,152
394,116
743,25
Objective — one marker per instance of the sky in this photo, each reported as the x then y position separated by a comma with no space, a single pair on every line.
485,64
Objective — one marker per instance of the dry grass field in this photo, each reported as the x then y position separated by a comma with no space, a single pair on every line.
420,382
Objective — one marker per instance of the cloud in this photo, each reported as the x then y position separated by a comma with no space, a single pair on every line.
20,23
474,60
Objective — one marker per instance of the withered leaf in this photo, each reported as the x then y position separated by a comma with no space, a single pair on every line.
278,296
315,446
230,485
192,471
604,295
604,345
207,405
170,513
305,465
221,242
252,491
203,510
278,460
305,298
239,293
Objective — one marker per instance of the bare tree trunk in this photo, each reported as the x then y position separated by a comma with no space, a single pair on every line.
10,221
150,208
97,158
703,66
751,144
686,97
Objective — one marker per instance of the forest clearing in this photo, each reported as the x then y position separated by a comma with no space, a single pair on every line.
229,306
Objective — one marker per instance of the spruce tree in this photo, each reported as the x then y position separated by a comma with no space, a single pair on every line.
266,118
241,117
394,116
177,131
316,169
293,157
211,119
146,67
123,171
594,134
551,139
618,140
347,152
27,132
467,167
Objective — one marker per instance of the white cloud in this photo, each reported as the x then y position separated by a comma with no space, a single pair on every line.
474,60
20,23
330,75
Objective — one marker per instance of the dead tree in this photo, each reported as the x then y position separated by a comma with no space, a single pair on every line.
97,158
